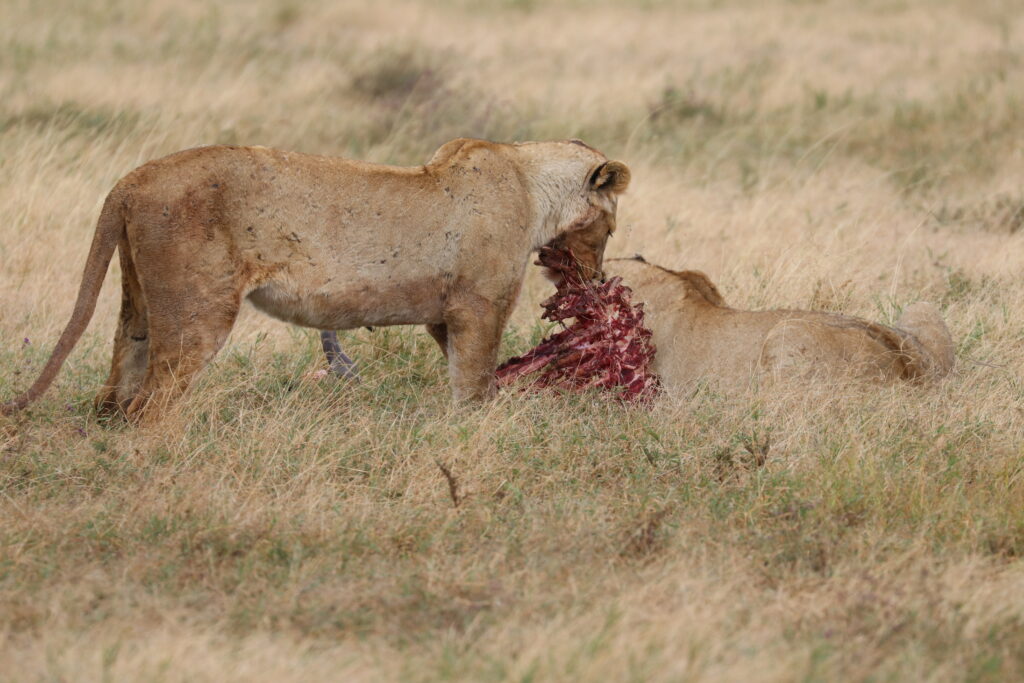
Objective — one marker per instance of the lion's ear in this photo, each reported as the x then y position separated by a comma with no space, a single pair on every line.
611,176
703,284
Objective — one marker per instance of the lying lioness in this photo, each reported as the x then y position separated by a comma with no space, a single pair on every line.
333,244
700,339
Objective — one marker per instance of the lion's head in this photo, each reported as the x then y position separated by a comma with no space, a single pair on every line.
588,240
575,191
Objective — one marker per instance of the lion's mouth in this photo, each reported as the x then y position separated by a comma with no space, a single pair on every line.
558,263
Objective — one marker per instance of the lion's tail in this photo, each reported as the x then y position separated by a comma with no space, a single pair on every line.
924,321
109,230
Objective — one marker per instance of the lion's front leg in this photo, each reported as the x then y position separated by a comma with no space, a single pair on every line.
474,328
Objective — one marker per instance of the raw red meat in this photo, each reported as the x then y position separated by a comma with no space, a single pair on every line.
606,346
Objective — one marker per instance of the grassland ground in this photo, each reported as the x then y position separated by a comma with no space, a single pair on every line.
841,156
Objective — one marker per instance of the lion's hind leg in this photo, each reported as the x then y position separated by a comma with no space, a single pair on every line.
937,354
131,342
177,352
803,348
186,331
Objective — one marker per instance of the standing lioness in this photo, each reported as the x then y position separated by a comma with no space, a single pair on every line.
333,244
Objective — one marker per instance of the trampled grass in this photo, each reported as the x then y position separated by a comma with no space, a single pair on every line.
845,156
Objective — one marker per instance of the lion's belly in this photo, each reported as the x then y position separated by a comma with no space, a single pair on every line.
354,304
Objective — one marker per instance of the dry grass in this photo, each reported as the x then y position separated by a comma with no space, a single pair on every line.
853,156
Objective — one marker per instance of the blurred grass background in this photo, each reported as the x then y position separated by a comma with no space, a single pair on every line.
843,156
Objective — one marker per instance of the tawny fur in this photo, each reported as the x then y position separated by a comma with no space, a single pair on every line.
330,243
699,339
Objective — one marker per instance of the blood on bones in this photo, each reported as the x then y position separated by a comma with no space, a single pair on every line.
607,346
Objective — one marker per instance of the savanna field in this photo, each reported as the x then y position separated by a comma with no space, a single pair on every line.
852,157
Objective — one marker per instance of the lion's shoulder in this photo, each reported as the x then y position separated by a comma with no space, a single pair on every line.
460,149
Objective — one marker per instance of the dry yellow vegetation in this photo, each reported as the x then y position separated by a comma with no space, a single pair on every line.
833,155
